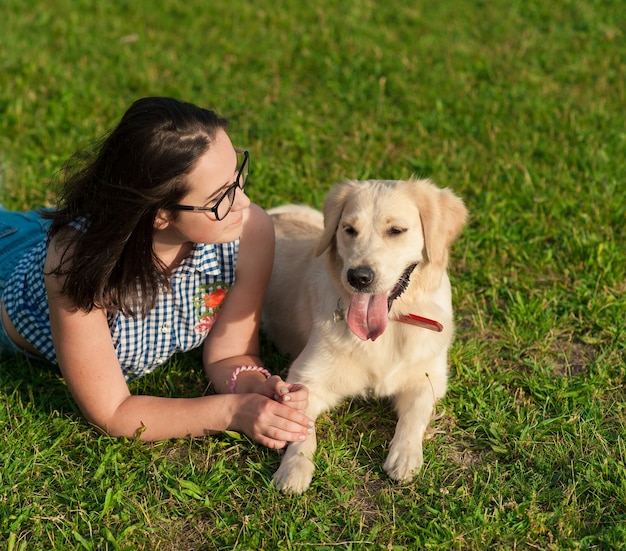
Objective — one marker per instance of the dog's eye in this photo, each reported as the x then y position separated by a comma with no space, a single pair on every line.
395,230
349,230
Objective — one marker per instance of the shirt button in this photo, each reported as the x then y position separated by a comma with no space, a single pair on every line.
165,328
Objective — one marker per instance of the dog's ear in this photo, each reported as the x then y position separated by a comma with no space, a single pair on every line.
333,207
443,216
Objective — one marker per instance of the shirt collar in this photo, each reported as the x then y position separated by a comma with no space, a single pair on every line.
202,258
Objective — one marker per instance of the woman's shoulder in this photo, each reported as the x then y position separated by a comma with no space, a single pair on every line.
258,224
256,251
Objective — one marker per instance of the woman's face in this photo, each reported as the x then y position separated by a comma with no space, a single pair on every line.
212,175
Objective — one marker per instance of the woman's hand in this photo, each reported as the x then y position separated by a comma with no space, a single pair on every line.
295,396
269,422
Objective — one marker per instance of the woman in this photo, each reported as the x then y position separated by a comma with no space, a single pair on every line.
154,249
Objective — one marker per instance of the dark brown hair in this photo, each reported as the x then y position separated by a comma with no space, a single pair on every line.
140,167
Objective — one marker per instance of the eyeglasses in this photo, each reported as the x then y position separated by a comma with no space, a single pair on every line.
224,204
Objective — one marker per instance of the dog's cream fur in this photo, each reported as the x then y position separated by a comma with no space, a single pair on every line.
382,227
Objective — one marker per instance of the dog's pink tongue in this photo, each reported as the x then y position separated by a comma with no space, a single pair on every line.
367,315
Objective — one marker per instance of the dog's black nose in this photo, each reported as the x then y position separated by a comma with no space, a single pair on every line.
360,277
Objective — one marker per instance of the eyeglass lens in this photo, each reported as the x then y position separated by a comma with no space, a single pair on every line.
228,199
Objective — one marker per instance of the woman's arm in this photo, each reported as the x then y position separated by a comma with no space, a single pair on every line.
90,367
93,375
233,341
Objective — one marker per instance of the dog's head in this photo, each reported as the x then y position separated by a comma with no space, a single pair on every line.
376,233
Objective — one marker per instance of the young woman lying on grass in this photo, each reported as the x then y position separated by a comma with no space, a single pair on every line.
154,249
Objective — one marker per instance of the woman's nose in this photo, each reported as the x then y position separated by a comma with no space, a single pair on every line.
242,201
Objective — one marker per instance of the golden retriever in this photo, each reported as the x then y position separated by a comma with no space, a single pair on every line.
360,297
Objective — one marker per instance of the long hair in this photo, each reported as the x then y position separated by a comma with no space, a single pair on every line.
116,192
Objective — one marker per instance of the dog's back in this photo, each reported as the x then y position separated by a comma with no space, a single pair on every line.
286,314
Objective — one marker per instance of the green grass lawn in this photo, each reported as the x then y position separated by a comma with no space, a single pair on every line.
517,105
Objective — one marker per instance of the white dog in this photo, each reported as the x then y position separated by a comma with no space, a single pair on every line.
360,297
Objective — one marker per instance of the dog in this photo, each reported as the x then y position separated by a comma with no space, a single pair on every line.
360,297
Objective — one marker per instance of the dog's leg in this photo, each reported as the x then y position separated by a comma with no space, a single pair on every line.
296,468
414,408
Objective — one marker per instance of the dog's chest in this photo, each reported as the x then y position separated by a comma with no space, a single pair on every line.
398,352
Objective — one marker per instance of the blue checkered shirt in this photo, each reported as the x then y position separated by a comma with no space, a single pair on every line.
180,321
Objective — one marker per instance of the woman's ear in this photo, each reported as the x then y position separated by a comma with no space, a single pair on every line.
162,219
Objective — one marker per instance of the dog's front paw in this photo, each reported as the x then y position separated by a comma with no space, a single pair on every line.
403,464
294,474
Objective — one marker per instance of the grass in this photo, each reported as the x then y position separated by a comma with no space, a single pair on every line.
516,105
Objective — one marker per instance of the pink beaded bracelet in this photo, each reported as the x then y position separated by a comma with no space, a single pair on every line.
233,380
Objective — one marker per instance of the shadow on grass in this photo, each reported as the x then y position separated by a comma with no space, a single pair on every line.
36,382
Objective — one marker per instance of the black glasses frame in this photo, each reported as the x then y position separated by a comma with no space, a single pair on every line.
229,194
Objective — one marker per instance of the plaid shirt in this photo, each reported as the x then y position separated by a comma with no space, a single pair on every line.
180,321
